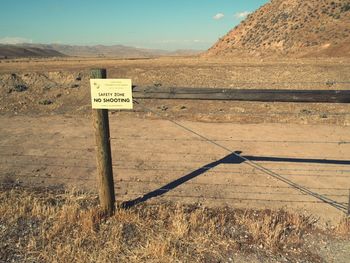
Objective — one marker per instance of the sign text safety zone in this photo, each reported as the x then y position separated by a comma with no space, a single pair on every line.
111,94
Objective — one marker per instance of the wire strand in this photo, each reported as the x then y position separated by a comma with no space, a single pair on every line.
253,164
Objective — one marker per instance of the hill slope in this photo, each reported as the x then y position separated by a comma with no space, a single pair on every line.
11,51
291,27
114,51
98,50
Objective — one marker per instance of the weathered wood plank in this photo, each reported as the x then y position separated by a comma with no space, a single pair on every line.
103,153
264,95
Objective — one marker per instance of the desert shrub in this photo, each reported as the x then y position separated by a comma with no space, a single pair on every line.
45,102
345,7
19,88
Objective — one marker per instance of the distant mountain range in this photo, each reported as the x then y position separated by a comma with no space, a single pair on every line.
14,51
291,27
296,28
58,50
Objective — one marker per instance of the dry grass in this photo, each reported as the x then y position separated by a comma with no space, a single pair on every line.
38,226
343,229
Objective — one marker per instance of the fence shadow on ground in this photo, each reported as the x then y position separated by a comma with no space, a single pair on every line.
233,158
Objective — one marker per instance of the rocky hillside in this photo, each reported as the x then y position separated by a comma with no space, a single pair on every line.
291,27
11,51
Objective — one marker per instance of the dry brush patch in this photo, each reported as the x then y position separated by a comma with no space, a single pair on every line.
47,226
343,229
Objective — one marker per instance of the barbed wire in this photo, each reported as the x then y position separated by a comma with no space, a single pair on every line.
45,156
216,155
240,172
223,113
229,140
86,150
157,162
142,138
233,185
47,135
258,114
185,168
21,165
63,179
165,190
157,152
230,184
327,82
10,184
6,176
139,181
258,166
324,198
169,169
264,193
235,198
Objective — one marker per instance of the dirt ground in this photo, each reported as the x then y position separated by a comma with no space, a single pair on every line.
46,135
62,87
151,154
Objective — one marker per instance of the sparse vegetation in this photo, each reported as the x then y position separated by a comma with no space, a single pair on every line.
345,7
49,226
298,18
18,88
45,102
343,229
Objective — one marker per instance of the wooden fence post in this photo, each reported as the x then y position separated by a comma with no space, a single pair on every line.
349,204
103,152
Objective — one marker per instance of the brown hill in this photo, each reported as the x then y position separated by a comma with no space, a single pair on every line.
291,27
118,51
12,51
113,51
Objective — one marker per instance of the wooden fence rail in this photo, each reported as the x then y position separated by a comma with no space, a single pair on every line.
263,95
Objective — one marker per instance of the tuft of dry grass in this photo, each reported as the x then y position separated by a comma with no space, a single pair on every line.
343,228
38,226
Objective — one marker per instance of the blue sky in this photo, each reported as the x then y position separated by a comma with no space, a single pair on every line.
163,24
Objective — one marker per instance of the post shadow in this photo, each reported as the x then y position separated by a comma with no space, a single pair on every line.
233,158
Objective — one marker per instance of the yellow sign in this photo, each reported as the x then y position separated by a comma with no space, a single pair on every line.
111,94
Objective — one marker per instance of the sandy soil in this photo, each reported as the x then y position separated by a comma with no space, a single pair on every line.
46,135
150,154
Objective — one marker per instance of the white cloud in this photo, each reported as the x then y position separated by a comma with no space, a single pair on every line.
218,16
14,40
242,15
171,41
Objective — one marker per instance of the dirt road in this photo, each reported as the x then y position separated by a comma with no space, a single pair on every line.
152,154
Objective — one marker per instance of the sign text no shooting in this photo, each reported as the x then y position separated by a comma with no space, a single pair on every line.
111,94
